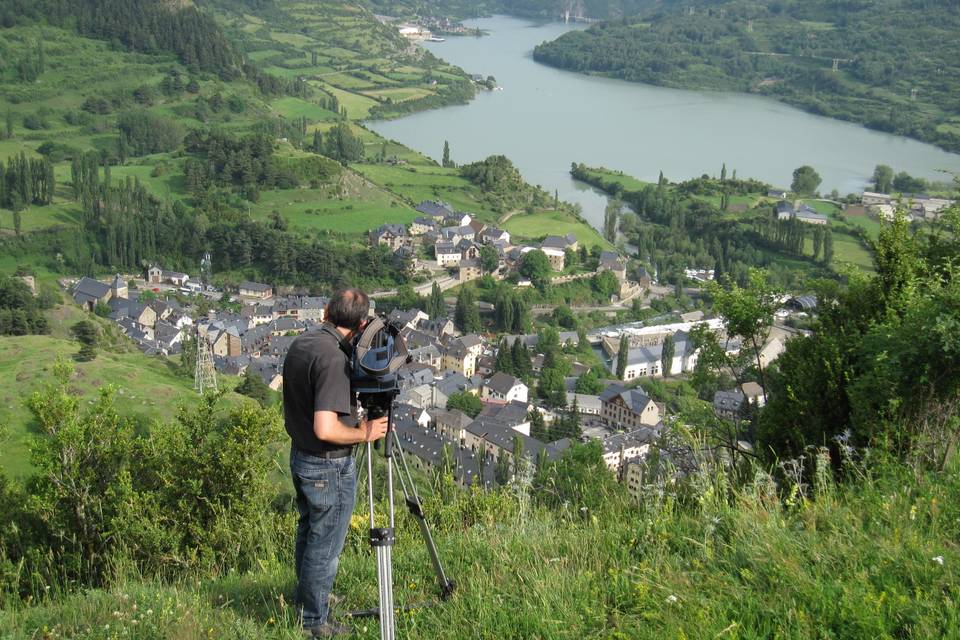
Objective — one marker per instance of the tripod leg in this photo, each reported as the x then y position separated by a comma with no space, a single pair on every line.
412,501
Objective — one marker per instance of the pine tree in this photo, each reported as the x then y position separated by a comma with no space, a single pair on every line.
504,360
723,173
827,247
522,365
466,315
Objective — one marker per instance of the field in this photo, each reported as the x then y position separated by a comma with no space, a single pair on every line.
538,225
361,208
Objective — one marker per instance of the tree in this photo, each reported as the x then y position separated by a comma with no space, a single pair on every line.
447,162
623,354
818,234
466,402
723,172
87,334
563,317
504,361
436,307
535,265
538,431
589,383
466,316
253,386
522,364
610,220
882,178
551,388
605,283
748,314
827,248
905,183
489,259
517,453
501,473
805,180
9,124
666,355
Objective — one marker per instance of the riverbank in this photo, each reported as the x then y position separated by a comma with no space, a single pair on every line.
824,67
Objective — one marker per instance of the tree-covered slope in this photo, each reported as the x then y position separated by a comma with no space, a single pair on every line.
893,65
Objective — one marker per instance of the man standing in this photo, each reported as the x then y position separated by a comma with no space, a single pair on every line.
320,415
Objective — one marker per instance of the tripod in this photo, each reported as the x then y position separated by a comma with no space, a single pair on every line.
382,539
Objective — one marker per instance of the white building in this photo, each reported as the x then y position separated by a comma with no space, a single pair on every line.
503,388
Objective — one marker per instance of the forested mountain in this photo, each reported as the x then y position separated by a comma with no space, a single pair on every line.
893,65
149,26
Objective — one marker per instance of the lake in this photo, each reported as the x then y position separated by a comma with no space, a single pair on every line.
544,119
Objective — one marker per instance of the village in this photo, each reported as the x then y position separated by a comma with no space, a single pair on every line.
252,336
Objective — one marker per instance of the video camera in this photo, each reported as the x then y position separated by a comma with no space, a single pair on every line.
378,353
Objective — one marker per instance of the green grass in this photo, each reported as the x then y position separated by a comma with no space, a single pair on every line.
537,225
358,106
361,209
873,559
848,248
629,183
417,183
36,218
292,108
147,388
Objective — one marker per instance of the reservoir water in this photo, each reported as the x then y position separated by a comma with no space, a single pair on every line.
544,119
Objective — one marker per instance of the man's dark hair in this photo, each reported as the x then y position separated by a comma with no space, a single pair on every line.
348,308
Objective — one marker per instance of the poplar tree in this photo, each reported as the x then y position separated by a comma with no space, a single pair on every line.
622,355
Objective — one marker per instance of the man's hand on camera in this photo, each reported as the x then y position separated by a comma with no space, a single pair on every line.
375,429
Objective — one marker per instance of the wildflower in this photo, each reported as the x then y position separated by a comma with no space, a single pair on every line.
270,621
671,599
149,611
938,560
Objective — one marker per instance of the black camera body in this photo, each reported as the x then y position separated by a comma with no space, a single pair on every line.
378,353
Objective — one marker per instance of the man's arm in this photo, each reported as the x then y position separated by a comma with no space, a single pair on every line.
328,427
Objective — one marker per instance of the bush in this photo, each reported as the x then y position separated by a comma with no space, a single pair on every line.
194,493
34,122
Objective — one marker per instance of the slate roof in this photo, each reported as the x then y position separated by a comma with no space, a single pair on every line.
454,383
394,229
434,208
89,290
501,382
445,248
635,399
637,437
727,400
510,414
649,353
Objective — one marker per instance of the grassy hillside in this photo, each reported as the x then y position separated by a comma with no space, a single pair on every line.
896,60
148,389
873,559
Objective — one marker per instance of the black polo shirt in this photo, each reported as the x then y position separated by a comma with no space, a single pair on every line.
316,377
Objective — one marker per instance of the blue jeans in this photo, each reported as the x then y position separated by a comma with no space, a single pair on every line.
326,494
